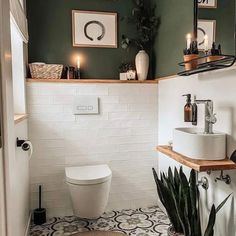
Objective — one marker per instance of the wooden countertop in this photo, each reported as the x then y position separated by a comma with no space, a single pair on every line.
92,81
198,165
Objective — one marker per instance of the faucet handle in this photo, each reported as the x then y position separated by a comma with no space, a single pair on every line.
211,118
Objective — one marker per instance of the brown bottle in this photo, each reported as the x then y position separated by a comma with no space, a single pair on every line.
188,109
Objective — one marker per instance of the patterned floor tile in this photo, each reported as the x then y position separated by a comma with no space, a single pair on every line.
140,222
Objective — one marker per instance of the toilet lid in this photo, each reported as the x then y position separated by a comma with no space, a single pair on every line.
84,175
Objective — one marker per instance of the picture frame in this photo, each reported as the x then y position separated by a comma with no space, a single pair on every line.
207,3
94,29
206,27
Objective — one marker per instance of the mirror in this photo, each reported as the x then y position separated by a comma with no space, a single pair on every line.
216,19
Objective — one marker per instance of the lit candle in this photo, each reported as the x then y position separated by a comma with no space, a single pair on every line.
78,63
189,40
206,42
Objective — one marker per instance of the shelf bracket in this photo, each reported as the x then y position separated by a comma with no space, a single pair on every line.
223,178
202,182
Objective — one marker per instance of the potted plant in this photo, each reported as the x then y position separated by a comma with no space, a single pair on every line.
215,53
124,68
180,197
143,16
191,55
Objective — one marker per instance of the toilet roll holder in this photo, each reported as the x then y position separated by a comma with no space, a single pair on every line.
24,144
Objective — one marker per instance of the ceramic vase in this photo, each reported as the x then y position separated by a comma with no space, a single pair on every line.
142,65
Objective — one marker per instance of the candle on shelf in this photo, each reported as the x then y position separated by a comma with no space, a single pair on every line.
78,63
206,43
189,40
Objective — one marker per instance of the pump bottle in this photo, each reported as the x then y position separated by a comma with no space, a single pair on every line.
188,109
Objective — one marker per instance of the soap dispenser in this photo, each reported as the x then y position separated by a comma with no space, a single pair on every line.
188,109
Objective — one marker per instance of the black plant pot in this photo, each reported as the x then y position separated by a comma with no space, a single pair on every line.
171,232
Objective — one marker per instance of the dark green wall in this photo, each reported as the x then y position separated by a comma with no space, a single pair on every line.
224,15
176,21
50,34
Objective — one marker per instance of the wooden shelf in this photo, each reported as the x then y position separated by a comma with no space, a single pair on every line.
198,165
92,81
20,117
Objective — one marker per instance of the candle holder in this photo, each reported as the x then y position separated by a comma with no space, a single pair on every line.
78,73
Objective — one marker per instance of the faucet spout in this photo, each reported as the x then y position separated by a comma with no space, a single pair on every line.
210,117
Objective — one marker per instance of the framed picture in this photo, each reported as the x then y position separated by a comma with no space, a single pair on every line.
94,29
206,27
207,3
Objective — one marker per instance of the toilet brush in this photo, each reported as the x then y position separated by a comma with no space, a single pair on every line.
40,213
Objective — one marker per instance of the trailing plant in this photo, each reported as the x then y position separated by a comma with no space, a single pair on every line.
180,197
146,23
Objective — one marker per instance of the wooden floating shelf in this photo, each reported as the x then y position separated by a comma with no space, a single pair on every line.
198,165
20,117
92,81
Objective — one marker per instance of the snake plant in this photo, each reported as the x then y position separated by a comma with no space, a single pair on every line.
180,197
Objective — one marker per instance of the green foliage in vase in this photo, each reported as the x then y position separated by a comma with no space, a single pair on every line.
144,19
180,197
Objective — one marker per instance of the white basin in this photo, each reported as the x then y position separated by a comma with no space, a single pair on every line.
193,143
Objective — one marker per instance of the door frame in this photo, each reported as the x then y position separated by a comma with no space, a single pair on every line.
7,119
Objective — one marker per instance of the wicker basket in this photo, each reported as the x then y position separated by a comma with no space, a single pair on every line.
45,71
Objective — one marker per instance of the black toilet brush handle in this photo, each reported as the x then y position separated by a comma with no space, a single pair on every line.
40,195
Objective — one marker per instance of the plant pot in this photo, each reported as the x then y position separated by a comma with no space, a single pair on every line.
191,65
214,58
171,232
142,65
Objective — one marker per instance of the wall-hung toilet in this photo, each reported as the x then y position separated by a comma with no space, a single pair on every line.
89,189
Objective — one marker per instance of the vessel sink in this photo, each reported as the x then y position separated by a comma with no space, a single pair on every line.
193,143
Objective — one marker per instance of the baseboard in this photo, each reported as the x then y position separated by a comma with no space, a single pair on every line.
27,230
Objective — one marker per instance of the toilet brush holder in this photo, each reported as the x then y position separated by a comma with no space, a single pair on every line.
40,213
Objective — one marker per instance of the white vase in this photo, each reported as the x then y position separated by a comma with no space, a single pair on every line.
142,65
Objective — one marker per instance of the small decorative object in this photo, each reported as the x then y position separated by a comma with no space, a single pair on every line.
206,33
123,76
191,54
146,23
215,53
207,3
124,67
131,74
70,72
142,65
45,71
94,29
180,197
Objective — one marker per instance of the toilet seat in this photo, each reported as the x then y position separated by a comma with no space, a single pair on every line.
88,175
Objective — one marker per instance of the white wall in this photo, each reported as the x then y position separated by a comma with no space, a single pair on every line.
124,136
220,86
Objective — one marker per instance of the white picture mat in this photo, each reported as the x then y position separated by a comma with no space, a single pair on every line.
109,20
209,27
207,3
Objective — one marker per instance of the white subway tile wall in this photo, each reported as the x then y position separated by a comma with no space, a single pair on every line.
124,135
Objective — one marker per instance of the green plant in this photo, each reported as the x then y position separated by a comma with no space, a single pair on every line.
180,197
146,23
125,66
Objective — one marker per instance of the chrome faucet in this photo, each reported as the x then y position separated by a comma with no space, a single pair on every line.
210,117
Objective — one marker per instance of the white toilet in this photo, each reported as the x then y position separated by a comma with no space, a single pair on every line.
89,188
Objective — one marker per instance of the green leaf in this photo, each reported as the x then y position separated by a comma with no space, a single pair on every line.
222,204
211,222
